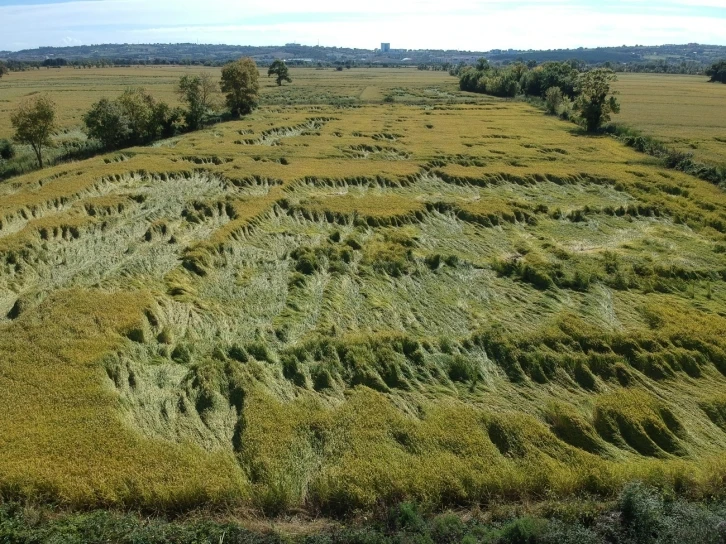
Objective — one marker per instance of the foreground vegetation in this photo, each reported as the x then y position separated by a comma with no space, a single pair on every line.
457,302
641,515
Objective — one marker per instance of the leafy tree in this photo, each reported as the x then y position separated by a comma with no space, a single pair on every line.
595,102
134,118
553,99
490,80
107,123
198,92
164,120
482,65
148,119
138,106
550,74
3,69
240,80
34,124
717,72
279,68
518,70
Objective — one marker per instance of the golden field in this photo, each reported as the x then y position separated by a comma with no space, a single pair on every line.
449,299
685,112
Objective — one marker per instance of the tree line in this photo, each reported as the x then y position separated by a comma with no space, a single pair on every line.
717,72
137,118
562,86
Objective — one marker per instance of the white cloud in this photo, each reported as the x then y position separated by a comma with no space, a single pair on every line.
461,24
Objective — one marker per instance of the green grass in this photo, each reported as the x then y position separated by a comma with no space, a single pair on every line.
640,514
333,310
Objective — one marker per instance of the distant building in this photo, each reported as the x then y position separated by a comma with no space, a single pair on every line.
385,47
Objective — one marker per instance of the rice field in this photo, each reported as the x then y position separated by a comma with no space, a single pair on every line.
684,111
328,307
75,90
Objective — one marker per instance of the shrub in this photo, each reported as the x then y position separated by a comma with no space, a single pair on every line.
7,151
641,512
447,529
406,517
523,531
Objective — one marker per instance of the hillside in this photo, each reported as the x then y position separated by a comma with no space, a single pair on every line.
335,308
188,53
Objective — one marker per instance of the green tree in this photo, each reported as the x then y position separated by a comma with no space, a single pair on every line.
535,82
279,68
553,100
134,118
198,93
482,65
34,124
595,102
717,72
240,82
147,118
3,69
107,123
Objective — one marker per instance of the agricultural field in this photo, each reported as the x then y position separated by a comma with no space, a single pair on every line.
685,112
328,308
75,90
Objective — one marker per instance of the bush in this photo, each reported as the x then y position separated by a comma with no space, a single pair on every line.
7,151
641,512
406,517
524,531
447,529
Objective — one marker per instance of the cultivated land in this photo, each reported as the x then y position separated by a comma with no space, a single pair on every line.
75,90
683,111
333,308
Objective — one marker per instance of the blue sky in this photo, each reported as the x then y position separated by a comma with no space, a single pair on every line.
415,24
